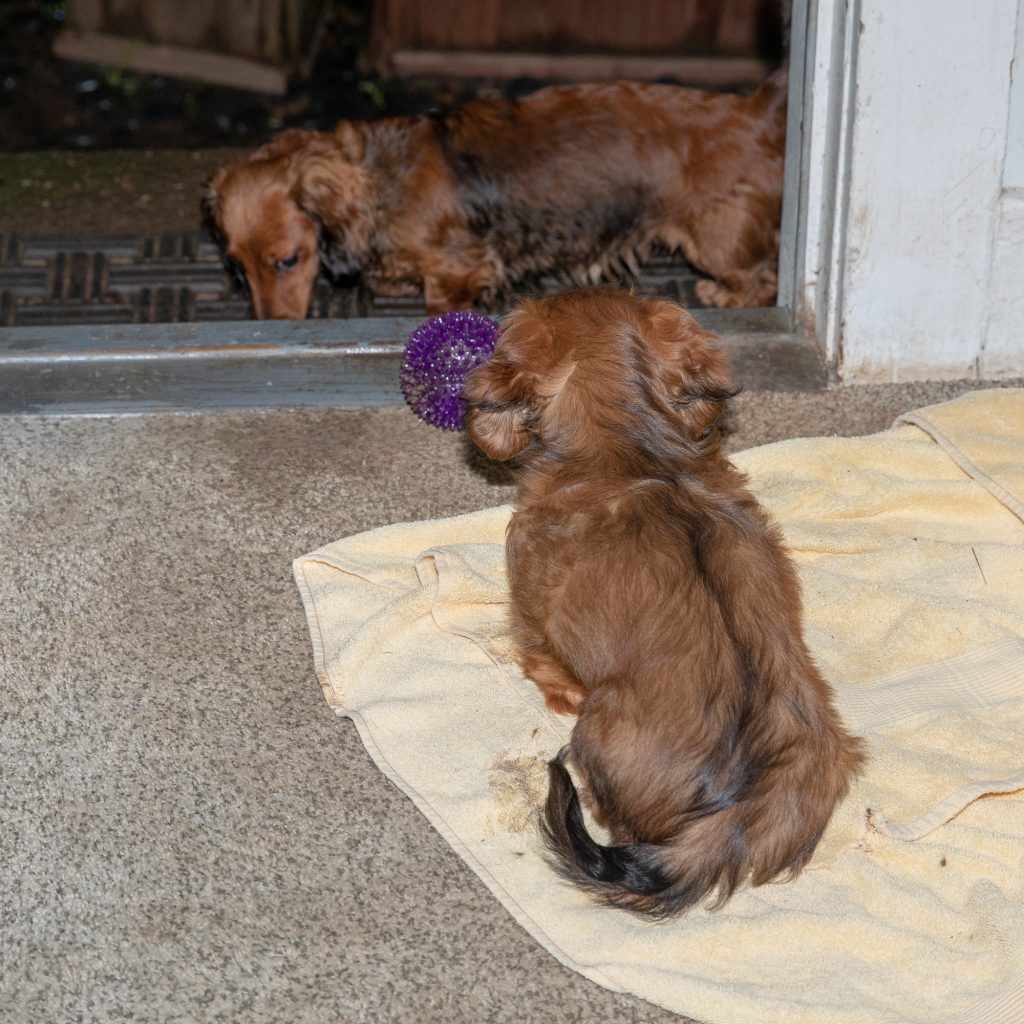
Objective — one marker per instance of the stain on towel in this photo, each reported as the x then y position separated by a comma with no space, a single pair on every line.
519,786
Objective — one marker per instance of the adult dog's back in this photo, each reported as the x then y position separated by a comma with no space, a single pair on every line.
589,176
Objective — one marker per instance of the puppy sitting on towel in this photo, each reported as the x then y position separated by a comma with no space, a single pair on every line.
652,597
580,180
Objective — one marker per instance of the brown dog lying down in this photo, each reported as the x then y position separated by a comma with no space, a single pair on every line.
652,596
579,179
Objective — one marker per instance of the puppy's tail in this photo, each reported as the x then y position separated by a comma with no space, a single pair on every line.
719,844
631,876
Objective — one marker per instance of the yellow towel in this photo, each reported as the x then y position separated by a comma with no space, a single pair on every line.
910,545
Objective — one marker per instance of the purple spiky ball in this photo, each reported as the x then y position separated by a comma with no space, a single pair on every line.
438,357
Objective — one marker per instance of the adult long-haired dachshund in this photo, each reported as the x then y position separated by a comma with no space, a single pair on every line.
651,595
579,179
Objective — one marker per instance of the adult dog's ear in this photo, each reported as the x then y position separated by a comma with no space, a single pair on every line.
500,414
209,206
212,218
336,194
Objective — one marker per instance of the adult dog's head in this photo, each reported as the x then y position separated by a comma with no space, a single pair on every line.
599,375
301,199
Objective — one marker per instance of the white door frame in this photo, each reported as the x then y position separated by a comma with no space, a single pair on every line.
821,80
902,240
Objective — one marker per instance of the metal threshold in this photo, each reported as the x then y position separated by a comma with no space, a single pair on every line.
244,365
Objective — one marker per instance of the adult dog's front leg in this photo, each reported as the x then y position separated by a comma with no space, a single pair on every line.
455,275
443,293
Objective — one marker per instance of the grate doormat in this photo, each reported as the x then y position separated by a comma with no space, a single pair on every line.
180,278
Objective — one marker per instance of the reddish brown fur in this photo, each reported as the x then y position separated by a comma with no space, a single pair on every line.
580,180
652,595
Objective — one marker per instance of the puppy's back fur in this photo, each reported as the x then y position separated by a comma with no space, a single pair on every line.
712,750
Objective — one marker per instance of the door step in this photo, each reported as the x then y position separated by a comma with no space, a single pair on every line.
103,369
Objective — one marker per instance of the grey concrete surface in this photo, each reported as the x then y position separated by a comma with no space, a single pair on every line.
187,833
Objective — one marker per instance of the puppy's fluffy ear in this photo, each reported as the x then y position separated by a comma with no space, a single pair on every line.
498,420
699,377
695,371
680,341
707,373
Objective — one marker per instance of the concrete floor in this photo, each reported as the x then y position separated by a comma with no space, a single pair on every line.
188,833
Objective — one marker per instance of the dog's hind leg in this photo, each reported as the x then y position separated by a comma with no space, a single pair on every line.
756,287
444,292
562,693
736,242
457,274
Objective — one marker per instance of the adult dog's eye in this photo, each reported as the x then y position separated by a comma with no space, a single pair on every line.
282,265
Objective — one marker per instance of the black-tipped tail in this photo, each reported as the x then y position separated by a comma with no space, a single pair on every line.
627,876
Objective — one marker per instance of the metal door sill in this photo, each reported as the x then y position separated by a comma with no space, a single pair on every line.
107,369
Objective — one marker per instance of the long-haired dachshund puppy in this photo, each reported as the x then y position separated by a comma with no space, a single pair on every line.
578,179
652,596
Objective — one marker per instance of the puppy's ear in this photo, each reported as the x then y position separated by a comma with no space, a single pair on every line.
697,375
336,194
707,372
503,394
499,417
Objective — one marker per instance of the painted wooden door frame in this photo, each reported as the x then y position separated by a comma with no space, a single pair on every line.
823,54
902,239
